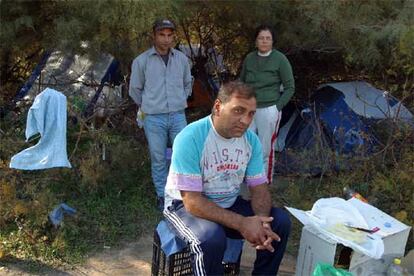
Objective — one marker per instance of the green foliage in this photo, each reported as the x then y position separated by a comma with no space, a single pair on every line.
116,27
374,37
114,198
369,34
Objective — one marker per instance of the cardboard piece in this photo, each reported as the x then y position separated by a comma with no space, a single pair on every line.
317,247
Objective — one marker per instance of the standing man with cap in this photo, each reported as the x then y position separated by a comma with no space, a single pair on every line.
160,84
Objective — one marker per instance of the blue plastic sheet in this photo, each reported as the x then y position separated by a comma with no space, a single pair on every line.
170,243
56,216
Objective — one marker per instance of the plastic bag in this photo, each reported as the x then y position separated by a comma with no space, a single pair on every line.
140,118
330,211
333,216
56,216
329,270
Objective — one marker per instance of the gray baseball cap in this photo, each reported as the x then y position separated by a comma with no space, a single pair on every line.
163,24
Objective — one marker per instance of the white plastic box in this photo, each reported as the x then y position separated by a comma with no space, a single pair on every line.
316,247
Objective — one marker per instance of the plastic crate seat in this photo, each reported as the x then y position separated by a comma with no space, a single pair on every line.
179,264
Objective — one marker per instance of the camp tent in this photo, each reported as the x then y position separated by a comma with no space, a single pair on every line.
340,120
82,80
89,83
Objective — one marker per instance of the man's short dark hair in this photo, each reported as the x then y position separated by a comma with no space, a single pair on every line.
232,87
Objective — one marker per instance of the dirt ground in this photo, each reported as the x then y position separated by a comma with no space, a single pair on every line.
134,259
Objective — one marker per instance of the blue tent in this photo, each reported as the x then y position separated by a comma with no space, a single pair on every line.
339,121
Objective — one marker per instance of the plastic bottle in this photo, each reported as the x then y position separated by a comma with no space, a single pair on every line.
395,269
349,193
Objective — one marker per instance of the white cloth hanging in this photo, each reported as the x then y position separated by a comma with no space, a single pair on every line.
47,116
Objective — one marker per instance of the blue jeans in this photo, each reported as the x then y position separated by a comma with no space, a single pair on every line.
159,129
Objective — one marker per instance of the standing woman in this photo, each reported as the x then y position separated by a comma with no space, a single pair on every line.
269,72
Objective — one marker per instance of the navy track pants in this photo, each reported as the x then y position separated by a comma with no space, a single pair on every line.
207,239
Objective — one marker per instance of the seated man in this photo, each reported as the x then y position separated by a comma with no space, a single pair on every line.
211,159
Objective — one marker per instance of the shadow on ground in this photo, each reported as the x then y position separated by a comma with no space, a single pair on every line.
132,258
14,266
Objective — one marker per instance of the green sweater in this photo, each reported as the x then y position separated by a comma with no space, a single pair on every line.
265,75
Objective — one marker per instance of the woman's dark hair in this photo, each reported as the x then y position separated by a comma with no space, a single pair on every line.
265,27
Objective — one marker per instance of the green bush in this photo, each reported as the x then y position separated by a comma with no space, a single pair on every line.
114,198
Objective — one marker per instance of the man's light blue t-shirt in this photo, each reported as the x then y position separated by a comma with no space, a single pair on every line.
203,161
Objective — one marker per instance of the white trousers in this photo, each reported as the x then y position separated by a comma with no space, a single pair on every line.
266,125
